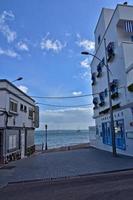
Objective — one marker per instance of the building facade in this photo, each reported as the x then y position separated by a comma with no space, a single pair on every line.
18,119
116,27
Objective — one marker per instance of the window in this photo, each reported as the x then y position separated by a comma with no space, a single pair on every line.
110,51
93,78
30,113
102,101
132,111
25,108
114,89
106,92
12,142
132,38
13,106
21,107
99,70
99,39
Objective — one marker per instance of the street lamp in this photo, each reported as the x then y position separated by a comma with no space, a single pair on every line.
18,79
110,100
46,146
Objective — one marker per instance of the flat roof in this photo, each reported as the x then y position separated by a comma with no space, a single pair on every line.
122,5
11,84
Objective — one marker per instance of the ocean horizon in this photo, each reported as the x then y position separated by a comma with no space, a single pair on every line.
61,138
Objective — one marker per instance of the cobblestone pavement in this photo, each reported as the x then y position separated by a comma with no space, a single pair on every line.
63,164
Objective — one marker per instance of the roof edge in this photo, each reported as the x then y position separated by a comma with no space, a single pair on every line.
11,84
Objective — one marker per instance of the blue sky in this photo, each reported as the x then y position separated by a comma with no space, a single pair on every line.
41,41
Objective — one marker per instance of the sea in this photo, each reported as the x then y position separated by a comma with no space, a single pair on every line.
61,138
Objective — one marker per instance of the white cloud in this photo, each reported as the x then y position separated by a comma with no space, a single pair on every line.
85,63
22,46
4,27
9,52
77,93
49,44
85,43
23,88
86,75
69,118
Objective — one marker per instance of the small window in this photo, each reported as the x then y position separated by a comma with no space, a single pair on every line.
25,108
99,39
30,113
13,106
21,107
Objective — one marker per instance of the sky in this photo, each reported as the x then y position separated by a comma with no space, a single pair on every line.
41,41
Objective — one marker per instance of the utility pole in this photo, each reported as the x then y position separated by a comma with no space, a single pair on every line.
110,103
109,92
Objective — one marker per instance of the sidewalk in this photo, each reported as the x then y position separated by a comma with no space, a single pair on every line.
63,164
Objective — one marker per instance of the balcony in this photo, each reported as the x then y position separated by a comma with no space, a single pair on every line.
115,95
102,103
95,102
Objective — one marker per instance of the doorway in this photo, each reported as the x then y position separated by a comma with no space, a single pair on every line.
1,146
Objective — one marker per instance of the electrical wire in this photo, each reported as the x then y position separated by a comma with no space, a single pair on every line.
65,97
70,97
65,106
62,97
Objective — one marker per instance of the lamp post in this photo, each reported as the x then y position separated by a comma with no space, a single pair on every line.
18,79
46,146
110,100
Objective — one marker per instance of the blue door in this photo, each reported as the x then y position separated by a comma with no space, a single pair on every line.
106,133
119,134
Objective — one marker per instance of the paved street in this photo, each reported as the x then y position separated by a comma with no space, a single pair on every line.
114,186
63,164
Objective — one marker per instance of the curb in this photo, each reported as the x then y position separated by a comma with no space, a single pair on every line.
78,177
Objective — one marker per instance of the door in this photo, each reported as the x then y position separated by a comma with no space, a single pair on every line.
1,146
22,143
120,134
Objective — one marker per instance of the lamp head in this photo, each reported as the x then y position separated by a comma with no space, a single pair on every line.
85,52
19,79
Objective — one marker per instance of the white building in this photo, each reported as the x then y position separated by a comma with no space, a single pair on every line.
116,26
18,119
